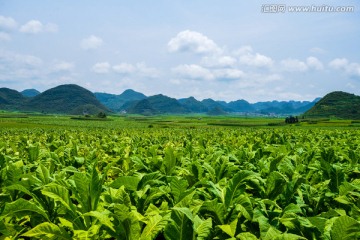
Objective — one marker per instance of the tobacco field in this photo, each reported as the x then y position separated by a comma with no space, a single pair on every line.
151,183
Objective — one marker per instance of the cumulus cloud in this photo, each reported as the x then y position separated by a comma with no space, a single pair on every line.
102,67
35,26
314,63
91,42
339,63
293,65
193,71
248,57
7,23
351,68
228,74
191,41
218,61
145,71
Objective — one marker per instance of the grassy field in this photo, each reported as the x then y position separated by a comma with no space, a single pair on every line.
178,177
165,121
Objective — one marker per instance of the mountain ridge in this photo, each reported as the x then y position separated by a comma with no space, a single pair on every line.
131,101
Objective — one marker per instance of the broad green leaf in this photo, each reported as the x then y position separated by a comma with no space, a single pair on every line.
229,229
58,193
246,236
244,205
48,230
345,228
275,184
91,233
154,225
236,186
130,182
337,176
102,217
181,225
202,227
22,207
215,210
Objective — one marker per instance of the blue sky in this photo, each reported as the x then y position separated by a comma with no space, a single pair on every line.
225,50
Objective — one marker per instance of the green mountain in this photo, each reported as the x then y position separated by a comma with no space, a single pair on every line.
116,102
216,111
193,105
240,106
338,105
143,107
10,99
157,104
69,99
30,92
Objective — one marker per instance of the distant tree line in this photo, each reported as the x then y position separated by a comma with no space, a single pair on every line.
292,119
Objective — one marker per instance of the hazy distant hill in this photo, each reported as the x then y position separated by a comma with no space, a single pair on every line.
336,104
30,92
241,106
116,102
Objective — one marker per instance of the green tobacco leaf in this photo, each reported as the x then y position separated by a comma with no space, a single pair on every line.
96,183
22,207
229,229
169,161
345,228
129,182
33,151
178,188
236,186
102,217
181,225
337,176
244,205
154,225
58,193
202,227
246,236
91,233
48,230
275,184
215,210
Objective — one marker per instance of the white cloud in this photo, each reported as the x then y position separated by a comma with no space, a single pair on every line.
218,61
256,60
228,74
102,67
7,23
193,71
35,26
293,65
339,63
124,68
63,66
146,71
4,37
314,63
354,69
191,41
139,69
249,58
91,42
343,64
